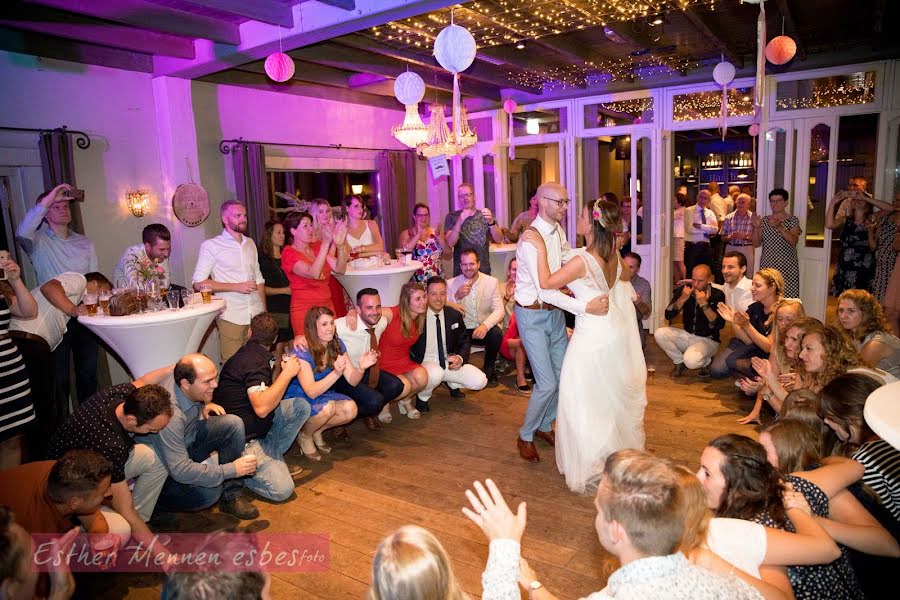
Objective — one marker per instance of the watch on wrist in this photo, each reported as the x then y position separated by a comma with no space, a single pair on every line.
533,587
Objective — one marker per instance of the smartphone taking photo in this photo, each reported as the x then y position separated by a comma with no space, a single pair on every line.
76,194
4,256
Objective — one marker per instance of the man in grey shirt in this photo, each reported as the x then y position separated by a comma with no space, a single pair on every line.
643,300
471,229
197,429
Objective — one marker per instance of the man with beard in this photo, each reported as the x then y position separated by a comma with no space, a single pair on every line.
155,248
228,263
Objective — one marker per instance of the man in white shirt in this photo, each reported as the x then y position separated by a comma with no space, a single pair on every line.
700,223
737,284
155,249
377,387
440,349
542,326
41,342
229,264
477,296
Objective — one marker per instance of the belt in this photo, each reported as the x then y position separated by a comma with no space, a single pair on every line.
693,243
537,306
24,335
739,245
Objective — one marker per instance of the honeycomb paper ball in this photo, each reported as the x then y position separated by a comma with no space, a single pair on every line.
723,74
780,50
409,88
279,66
455,48
510,106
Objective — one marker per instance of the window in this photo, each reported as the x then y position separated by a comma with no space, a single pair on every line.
702,106
540,121
618,112
840,90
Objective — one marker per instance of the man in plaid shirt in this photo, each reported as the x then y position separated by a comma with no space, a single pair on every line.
737,230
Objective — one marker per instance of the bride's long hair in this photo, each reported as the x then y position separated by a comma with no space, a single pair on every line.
606,222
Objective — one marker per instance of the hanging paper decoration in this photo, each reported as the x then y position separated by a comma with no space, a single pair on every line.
409,88
754,133
754,129
509,105
454,49
759,92
781,49
279,67
723,74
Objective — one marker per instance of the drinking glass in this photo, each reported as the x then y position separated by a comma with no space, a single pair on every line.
206,293
186,298
90,302
651,371
104,302
173,296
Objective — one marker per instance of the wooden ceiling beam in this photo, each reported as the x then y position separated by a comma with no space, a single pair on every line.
47,46
264,11
790,26
703,28
147,15
345,4
49,21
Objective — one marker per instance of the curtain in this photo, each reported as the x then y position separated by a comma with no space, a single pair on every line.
251,185
58,164
396,192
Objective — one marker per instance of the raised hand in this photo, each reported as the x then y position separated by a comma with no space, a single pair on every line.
464,290
741,319
340,363
490,512
726,312
487,214
368,359
12,270
755,221
466,213
339,232
761,366
328,232
686,291
750,386
60,192
789,381
351,319
701,296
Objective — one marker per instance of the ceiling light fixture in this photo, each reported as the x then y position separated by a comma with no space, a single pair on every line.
520,45
657,20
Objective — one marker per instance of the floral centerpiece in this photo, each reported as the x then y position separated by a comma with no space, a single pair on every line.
148,275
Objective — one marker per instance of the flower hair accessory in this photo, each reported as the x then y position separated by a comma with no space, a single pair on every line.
597,213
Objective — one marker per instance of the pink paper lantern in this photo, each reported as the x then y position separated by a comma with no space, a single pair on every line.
780,50
279,66
754,130
509,105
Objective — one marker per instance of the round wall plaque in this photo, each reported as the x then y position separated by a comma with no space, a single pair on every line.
191,204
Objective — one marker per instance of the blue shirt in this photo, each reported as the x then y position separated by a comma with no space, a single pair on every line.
172,443
51,255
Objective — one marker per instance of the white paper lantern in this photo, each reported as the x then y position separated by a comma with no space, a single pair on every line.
409,88
455,48
723,74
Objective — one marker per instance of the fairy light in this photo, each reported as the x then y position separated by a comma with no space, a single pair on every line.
700,106
858,88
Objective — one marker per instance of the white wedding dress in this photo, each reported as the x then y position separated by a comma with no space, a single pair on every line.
603,383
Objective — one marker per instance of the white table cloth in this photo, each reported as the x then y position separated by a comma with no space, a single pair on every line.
148,341
882,413
500,257
388,280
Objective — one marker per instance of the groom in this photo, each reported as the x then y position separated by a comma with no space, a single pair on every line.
542,325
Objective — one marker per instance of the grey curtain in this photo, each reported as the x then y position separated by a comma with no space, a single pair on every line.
396,192
251,184
58,164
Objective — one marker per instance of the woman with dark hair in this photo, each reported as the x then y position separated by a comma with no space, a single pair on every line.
778,235
863,322
363,235
425,243
841,406
278,288
322,364
741,484
856,261
309,263
824,355
594,421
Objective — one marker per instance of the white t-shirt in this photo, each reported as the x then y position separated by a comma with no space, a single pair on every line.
742,543
50,323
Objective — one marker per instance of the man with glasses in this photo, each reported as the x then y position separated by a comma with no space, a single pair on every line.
542,325
471,229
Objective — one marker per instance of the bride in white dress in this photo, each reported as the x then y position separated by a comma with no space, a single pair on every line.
603,383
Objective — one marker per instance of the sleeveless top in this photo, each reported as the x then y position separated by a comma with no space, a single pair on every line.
364,240
891,362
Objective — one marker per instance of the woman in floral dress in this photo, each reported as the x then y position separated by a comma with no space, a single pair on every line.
856,260
425,243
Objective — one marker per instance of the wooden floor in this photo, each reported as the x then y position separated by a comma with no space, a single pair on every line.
416,472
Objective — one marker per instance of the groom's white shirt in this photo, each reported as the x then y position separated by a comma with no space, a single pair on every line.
528,291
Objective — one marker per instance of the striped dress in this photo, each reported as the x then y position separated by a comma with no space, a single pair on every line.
882,464
16,409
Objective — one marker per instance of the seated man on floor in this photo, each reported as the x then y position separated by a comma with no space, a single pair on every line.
197,481
693,346
441,347
271,424
477,296
107,423
50,496
737,285
377,387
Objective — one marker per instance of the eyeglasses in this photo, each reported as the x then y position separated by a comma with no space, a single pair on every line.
464,194
559,202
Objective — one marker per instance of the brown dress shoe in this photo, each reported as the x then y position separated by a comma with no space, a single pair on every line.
372,423
528,451
547,436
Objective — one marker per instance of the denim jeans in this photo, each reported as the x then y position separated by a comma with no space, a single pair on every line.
725,361
223,434
543,333
272,479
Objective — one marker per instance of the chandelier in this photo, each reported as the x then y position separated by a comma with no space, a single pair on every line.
413,131
441,140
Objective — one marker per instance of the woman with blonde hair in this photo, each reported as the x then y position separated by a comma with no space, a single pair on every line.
752,329
411,564
323,217
781,360
825,354
862,321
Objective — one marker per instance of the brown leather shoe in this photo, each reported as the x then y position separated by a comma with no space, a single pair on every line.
547,436
372,423
528,451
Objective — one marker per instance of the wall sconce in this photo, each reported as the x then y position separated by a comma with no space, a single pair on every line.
356,188
138,202
812,181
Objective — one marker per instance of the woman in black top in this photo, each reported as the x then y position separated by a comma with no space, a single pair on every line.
278,290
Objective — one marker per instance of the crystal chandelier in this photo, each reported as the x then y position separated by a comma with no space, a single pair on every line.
413,131
441,140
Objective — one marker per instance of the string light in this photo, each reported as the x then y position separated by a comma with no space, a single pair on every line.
700,106
858,88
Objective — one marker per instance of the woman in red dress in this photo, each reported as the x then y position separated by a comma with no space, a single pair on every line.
309,264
